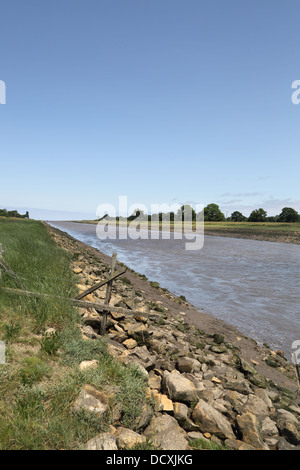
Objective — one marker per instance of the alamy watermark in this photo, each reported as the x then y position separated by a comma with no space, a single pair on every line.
296,93
2,92
164,221
2,352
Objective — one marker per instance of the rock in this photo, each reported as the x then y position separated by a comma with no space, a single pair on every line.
178,388
288,426
245,367
88,364
257,406
119,336
50,332
165,433
89,333
216,380
261,393
195,435
218,339
117,316
115,349
269,428
162,402
126,438
258,380
92,400
248,426
210,420
145,417
240,386
130,343
295,409
218,349
139,332
154,381
104,441
186,364
180,412
236,399
142,357
284,445
238,445
77,270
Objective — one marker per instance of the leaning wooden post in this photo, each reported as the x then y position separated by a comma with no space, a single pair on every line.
108,295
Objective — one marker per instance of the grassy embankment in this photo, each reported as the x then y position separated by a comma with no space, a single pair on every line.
41,378
269,231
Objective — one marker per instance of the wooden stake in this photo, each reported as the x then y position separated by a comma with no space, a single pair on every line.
100,284
78,303
108,295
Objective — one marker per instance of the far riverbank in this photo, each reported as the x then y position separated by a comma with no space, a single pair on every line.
266,231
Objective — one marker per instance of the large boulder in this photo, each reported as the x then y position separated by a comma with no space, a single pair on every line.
257,406
92,400
104,441
210,420
166,434
248,426
179,388
289,426
140,356
126,438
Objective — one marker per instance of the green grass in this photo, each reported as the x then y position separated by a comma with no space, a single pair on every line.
204,444
270,231
41,379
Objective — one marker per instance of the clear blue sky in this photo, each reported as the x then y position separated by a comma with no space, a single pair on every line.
161,100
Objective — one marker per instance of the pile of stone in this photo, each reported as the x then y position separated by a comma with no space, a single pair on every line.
199,385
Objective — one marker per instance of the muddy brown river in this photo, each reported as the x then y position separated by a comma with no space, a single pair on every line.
253,285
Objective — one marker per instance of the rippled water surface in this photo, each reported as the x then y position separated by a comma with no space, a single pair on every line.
250,284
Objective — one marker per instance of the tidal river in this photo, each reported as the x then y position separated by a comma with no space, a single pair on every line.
253,285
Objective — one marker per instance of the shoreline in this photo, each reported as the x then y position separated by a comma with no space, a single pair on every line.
249,349
247,233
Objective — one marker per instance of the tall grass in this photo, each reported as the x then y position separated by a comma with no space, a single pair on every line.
43,267
39,383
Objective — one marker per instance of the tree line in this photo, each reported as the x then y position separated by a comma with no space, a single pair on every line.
213,213
14,213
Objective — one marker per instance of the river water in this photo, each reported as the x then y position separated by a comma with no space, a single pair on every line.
253,285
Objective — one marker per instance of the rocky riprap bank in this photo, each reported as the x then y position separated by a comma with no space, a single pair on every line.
200,385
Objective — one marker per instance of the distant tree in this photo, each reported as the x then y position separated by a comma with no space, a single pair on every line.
272,218
212,213
288,215
237,216
186,212
3,213
258,215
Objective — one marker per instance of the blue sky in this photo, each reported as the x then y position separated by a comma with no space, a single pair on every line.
162,101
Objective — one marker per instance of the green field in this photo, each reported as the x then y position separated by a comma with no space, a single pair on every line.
41,378
269,231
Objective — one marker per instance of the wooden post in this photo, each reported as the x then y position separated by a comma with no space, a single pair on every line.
108,295
100,284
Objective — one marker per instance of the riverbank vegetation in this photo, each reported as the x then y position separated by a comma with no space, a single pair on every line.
14,214
282,228
44,347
